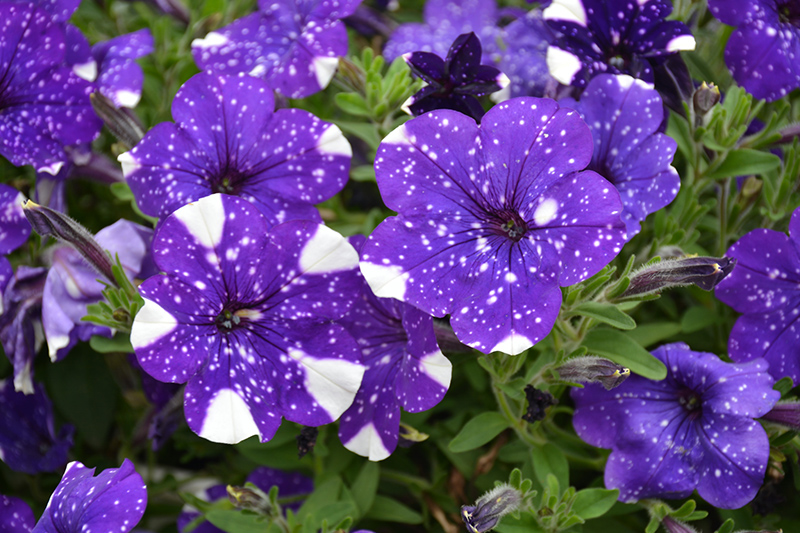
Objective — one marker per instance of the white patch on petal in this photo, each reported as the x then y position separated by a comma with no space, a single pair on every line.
504,93
406,107
51,169
324,68
23,381
127,98
333,383
151,323
327,251
258,71
55,343
642,2
212,39
367,443
562,65
228,419
204,219
87,71
399,135
386,281
569,10
129,164
546,212
437,367
513,344
332,142
682,42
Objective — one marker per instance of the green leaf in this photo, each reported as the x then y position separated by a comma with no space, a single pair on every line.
623,350
592,503
363,173
684,510
324,494
783,385
478,431
237,521
352,103
389,510
365,486
726,526
654,332
332,514
678,129
606,313
547,460
524,524
364,131
121,342
697,318
745,161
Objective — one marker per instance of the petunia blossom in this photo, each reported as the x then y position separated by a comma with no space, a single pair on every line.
763,51
118,75
243,317
693,430
294,45
14,227
229,139
492,219
17,515
765,287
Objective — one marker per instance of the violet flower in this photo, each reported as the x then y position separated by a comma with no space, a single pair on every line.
114,500
28,440
118,76
492,219
17,515
294,46
228,139
405,368
693,430
765,287
14,227
243,316
523,57
44,106
613,36
763,50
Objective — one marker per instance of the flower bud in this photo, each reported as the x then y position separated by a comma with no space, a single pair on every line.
786,414
705,272
674,526
590,369
251,498
705,97
538,401
490,508
121,122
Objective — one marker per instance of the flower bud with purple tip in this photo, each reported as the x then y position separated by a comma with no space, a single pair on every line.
705,272
490,508
591,369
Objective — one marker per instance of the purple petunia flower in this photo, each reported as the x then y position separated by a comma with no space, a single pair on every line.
28,440
763,51
455,82
405,368
229,140
625,115
765,286
243,316
14,227
523,58
118,75
693,430
294,45
44,106
16,514
614,36
115,500
492,219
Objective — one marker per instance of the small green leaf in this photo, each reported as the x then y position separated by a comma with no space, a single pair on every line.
363,173
332,514
697,318
365,486
237,521
478,431
324,494
592,503
745,161
622,349
550,460
352,103
606,313
524,524
783,385
389,510
653,333
684,510
726,526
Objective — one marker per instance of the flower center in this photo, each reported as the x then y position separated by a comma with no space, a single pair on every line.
227,321
789,12
690,401
510,224
229,181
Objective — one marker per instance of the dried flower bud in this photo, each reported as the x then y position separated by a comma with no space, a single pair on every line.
306,440
409,436
490,508
590,369
538,401
705,97
251,498
705,272
673,526
786,414
120,122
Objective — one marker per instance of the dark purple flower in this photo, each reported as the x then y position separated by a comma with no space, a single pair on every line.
293,45
490,508
613,36
693,430
44,106
119,77
14,228
28,440
492,219
763,51
243,316
228,139
21,323
625,115
455,82
765,286
445,20
17,516
523,57
405,368
114,500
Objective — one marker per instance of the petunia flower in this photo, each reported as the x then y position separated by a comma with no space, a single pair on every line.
693,430
17,515
14,227
294,46
118,75
114,500
228,139
243,317
28,440
492,219
44,106
625,115
405,368
763,50
455,82
613,36
765,287
523,56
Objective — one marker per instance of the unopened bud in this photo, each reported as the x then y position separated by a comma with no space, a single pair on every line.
786,414
251,498
674,526
538,401
490,508
705,97
705,272
120,122
50,223
590,369
409,436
